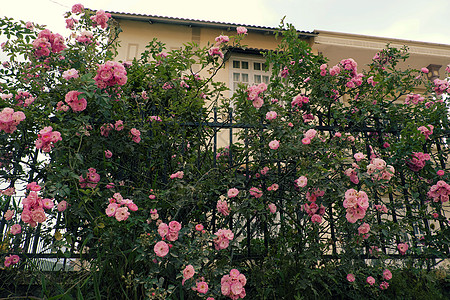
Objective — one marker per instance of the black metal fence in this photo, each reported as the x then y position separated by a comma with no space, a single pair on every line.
220,132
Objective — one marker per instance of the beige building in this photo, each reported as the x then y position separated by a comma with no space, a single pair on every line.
246,65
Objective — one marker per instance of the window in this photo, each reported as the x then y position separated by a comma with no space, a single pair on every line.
247,71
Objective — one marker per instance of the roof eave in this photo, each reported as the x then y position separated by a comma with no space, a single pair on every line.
198,23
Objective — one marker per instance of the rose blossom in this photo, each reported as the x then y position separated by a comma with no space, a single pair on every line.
241,30
233,192
364,228
402,248
387,275
8,214
350,277
274,145
161,248
202,287
16,229
108,154
272,208
188,272
370,280
302,181
62,206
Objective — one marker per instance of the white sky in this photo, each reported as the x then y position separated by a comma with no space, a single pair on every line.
405,19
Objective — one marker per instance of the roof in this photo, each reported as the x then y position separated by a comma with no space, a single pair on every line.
201,23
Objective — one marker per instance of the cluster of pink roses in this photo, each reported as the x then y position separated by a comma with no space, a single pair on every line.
118,207
47,42
221,39
11,260
47,138
352,173
439,192
100,19
364,230
91,180
232,285
24,99
135,135
414,99
299,100
110,74
9,119
379,170
170,232
85,37
308,136
106,128
222,207
356,204
417,161
215,51
314,211
253,94
76,104
441,86
426,130
387,275
223,238
33,206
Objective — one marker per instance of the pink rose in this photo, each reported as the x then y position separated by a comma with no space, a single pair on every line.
108,154
122,214
161,248
233,192
62,206
241,30
163,229
306,141
402,248
364,228
188,272
274,145
271,115
302,181
316,218
370,280
48,203
199,227
350,277
77,8
16,229
387,275
202,287
272,208
8,214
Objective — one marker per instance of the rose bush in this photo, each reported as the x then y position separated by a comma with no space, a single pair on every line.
324,191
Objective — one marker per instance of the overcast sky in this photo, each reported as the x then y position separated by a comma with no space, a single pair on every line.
405,19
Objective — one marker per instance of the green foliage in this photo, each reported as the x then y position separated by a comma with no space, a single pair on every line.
157,125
